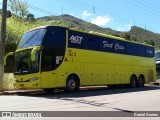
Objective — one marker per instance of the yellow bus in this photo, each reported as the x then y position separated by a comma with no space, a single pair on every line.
52,57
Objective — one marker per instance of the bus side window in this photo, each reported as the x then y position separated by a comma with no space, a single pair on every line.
48,63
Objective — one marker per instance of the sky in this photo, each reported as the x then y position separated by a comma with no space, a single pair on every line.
115,14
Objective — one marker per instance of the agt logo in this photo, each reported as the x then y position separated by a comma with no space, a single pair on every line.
76,39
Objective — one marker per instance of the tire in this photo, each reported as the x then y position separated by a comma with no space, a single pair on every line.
141,81
72,84
133,81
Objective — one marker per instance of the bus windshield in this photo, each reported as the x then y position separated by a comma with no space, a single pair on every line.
32,38
23,63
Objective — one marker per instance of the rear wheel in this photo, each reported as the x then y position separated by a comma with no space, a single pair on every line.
133,81
141,81
72,84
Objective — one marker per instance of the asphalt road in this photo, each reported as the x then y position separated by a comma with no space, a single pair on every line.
126,100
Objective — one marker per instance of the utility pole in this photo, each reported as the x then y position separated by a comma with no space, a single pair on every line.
62,9
2,42
93,10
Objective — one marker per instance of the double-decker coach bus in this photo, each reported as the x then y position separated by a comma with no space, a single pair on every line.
57,57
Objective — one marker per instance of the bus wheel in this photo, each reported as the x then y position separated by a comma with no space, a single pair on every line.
133,81
72,84
141,81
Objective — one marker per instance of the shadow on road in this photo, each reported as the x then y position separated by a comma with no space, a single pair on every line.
84,92
87,92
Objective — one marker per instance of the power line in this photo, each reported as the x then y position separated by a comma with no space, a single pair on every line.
83,6
41,10
147,10
148,6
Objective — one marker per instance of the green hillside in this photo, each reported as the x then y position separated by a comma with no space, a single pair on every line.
78,23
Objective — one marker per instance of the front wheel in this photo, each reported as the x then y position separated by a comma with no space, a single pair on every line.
72,84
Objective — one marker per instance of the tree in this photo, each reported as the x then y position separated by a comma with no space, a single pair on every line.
30,17
9,14
19,8
14,6
23,9
127,36
134,39
150,42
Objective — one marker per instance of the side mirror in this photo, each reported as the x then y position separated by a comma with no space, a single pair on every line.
6,56
33,53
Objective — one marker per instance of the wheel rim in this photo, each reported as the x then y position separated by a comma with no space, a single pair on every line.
71,85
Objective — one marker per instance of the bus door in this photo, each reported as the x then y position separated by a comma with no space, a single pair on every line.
48,74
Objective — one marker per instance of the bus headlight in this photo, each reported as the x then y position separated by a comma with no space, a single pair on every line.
33,79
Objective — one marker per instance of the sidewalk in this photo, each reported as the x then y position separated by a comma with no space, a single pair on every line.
18,92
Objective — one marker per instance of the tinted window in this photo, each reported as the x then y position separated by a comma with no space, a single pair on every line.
99,43
149,51
32,38
55,37
93,43
48,63
54,44
140,50
131,48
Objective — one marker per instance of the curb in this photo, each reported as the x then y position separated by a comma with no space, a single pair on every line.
18,92
155,83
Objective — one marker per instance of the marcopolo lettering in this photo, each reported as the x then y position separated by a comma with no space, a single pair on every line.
76,39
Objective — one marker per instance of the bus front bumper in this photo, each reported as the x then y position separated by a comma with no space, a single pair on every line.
27,85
